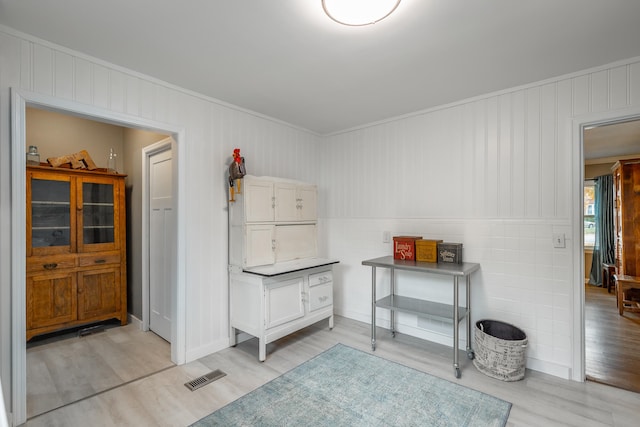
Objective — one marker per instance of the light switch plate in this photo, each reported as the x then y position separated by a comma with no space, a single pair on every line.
559,241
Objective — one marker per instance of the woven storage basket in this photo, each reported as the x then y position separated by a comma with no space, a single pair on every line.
500,350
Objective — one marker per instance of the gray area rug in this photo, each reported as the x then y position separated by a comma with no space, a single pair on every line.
347,387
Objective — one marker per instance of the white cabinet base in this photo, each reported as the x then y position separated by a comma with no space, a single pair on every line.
270,308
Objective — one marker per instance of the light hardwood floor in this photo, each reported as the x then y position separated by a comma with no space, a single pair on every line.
612,342
68,368
163,400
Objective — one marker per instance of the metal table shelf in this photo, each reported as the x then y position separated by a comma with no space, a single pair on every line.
422,307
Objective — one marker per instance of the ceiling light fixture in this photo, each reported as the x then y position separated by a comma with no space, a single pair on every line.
359,12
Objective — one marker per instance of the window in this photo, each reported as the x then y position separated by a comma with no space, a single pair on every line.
589,201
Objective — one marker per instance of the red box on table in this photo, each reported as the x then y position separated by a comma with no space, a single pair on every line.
404,247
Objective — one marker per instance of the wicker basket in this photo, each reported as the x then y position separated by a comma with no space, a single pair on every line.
500,350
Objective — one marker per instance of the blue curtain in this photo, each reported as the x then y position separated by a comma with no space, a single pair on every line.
604,249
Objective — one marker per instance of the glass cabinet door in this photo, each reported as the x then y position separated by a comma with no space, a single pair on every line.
50,221
98,221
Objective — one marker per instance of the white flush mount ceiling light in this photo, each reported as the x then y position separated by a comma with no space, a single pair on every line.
359,12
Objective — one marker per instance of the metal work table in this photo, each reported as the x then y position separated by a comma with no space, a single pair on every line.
421,307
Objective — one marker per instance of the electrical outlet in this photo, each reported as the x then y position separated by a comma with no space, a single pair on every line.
559,241
386,237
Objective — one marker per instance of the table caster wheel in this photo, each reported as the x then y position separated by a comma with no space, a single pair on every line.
393,334
471,354
457,373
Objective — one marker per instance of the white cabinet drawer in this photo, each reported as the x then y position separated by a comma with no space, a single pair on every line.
320,278
320,296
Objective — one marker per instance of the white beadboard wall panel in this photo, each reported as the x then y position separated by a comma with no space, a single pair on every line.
42,59
479,148
117,98
533,144
132,95
101,86
63,67
581,95
146,98
634,84
83,81
548,167
619,84
494,173
25,63
518,155
504,143
564,199
600,91
491,188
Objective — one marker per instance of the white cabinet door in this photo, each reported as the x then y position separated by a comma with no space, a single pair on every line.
308,203
259,200
260,245
286,202
283,302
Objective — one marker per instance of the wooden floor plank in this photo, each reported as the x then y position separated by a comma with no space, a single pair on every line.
612,342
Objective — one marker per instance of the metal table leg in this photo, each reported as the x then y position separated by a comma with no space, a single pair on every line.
373,308
456,366
392,272
470,353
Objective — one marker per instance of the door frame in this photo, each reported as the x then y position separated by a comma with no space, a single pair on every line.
20,100
578,126
148,152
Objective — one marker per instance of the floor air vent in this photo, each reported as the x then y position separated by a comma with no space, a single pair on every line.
205,379
91,330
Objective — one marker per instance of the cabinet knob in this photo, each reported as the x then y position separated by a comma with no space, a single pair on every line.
50,266
100,261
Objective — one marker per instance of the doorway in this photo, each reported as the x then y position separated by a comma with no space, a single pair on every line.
610,342
20,100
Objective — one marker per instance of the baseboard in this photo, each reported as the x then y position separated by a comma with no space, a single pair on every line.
550,368
206,350
135,321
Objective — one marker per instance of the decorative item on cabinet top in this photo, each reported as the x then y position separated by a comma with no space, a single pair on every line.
79,160
237,170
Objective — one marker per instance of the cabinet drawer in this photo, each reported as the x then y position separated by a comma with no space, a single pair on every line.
50,263
320,296
320,278
99,259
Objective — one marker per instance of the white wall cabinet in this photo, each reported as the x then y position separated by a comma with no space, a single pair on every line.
294,202
272,221
272,307
273,200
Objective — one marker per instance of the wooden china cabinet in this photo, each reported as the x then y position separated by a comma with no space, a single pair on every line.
76,260
626,179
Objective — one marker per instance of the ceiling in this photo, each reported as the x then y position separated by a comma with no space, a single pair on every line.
289,61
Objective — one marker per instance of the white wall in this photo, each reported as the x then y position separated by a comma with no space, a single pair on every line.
211,131
493,173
